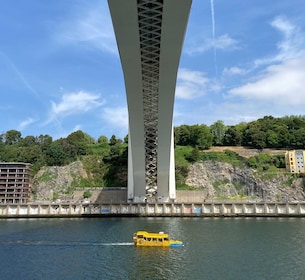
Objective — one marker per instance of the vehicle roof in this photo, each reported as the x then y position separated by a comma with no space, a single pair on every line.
152,234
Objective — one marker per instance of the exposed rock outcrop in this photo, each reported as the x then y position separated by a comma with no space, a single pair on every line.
219,179
51,182
215,179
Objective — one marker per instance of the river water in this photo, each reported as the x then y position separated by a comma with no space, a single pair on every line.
101,248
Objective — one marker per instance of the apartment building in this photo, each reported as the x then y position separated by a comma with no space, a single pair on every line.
295,161
14,182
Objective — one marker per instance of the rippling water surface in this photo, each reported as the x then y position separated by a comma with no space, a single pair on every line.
101,248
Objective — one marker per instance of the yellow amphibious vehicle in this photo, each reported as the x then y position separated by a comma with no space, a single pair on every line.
161,239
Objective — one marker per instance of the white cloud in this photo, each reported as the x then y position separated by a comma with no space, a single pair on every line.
74,103
284,25
92,26
283,83
292,43
26,123
234,71
191,84
223,42
117,117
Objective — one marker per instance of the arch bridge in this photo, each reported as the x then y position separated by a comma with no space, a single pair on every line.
150,36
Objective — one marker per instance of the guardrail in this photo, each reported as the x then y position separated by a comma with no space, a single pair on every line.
255,209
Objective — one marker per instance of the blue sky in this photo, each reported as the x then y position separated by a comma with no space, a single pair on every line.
60,69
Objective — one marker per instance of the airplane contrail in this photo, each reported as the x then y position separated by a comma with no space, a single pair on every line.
213,35
18,73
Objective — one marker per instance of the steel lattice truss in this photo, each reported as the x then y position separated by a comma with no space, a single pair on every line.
150,19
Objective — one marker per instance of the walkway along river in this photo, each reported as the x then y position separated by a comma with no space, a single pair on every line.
211,209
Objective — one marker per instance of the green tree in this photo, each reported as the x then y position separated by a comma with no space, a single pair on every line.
102,140
117,160
232,137
294,122
114,141
299,136
88,138
259,139
201,136
28,141
181,172
55,154
31,154
183,135
267,123
10,153
195,155
218,130
87,194
12,137
235,135
44,141
255,136
283,135
75,144
272,139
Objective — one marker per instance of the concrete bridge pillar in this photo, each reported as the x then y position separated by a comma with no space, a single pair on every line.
150,35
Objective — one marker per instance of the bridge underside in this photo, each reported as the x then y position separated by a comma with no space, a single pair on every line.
150,35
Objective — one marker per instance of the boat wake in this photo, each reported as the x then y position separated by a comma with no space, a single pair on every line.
56,243
117,244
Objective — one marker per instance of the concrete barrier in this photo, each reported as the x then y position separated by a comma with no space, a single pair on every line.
211,209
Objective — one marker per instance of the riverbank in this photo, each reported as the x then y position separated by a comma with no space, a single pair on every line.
209,209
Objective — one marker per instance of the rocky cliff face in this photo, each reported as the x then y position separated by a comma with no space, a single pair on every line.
215,179
222,180
57,182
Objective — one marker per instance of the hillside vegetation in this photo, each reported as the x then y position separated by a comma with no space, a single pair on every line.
259,145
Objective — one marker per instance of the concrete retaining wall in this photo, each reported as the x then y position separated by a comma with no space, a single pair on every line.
153,209
119,195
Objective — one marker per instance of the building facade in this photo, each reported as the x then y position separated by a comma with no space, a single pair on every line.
295,161
14,182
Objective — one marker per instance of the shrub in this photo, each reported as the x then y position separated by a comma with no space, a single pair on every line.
87,194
